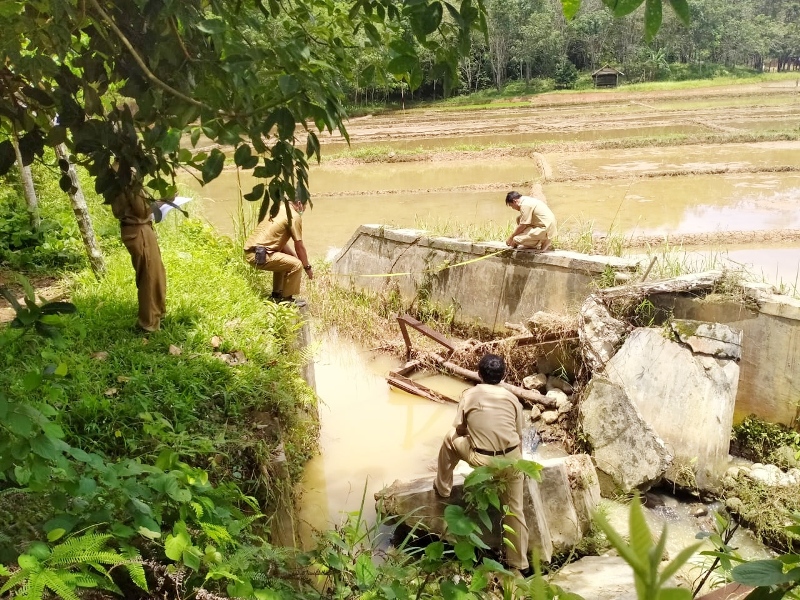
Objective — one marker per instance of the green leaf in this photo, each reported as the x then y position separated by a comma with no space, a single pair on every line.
242,154
570,8
213,165
284,119
620,8
366,573
676,563
211,26
426,19
171,142
177,542
458,523
761,573
465,551
640,536
192,557
56,534
288,85
401,65
61,370
681,8
26,561
435,551
652,19
38,550
19,424
453,591
529,468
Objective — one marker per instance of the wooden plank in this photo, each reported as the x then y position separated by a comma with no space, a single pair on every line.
407,368
412,387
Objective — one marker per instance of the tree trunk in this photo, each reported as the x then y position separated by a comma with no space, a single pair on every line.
27,184
82,216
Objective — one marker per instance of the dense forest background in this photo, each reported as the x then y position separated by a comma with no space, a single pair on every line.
530,42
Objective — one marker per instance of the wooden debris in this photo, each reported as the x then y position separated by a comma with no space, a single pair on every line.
406,321
528,397
414,387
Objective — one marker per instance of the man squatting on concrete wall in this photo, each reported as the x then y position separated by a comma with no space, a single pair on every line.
536,223
268,249
489,423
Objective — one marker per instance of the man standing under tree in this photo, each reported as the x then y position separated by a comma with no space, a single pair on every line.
268,249
132,208
488,423
536,223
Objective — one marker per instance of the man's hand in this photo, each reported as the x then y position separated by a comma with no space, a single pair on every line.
510,242
309,271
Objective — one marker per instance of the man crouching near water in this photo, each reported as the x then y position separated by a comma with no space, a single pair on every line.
488,423
536,223
268,249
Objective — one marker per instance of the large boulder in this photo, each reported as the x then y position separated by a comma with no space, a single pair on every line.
600,333
624,446
558,509
685,390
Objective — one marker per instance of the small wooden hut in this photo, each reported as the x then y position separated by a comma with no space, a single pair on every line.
606,77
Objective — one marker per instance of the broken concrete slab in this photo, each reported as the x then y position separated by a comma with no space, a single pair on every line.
558,509
713,339
624,446
599,332
598,578
425,509
687,398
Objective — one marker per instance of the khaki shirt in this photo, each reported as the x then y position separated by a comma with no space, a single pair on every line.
273,234
535,213
493,415
132,208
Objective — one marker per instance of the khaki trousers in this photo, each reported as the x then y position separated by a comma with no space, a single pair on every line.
455,448
535,237
287,271
151,278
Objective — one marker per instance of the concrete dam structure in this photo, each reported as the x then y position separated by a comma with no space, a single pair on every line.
490,284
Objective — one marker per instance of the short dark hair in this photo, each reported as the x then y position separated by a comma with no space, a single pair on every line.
511,196
492,368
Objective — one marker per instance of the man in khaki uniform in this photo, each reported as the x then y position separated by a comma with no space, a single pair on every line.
488,423
268,249
132,208
536,223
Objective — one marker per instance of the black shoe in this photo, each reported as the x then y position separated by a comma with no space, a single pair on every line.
292,300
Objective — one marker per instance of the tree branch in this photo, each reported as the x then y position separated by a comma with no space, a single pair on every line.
142,65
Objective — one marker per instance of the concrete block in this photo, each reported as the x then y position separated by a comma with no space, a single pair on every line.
624,445
686,398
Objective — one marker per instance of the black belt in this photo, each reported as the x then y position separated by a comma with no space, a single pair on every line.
495,452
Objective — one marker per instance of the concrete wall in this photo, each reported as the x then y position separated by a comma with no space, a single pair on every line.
769,378
509,286
514,284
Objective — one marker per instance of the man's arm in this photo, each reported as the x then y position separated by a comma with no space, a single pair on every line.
300,249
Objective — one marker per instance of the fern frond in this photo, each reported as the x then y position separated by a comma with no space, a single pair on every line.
136,572
198,509
17,576
34,590
134,566
217,533
105,557
54,581
73,550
